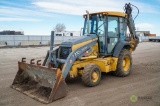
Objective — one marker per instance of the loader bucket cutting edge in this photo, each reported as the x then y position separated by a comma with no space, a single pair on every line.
39,82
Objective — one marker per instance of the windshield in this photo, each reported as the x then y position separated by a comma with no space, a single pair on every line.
96,25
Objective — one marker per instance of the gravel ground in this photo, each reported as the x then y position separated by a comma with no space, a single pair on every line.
143,81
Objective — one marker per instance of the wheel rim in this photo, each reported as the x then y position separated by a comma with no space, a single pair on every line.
95,76
126,63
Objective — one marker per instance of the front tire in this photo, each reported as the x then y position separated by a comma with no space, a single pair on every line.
91,75
124,64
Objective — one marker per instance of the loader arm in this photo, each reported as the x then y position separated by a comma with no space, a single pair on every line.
130,23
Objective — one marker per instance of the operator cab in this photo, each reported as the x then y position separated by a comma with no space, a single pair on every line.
109,27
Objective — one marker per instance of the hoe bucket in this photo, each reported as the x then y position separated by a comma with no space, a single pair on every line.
39,82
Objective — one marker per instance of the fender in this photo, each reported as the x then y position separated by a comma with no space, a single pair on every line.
119,46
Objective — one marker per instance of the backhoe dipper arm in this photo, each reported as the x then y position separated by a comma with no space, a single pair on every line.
131,25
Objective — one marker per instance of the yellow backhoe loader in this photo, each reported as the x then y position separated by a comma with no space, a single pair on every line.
104,47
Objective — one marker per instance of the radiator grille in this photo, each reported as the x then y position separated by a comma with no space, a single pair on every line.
64,52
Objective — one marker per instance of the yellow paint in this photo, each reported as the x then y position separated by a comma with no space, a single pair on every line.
105,64
126,63
95,76
133,44
95,50
111,13
74,47
114,63
89,57
73,72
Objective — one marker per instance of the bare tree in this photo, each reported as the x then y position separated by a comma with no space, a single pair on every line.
60,27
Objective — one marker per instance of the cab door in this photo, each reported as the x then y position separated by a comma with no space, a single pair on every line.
101,32
113,33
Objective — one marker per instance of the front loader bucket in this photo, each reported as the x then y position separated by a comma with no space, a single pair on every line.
39,82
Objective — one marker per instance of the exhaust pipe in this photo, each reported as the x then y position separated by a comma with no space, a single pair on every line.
88,23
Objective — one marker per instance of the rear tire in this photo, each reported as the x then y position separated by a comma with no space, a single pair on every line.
124,64
91,75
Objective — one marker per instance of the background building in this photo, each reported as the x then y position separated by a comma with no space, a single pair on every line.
8,32
145,33
68,33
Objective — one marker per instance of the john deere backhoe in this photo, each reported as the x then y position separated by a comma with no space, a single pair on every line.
104,47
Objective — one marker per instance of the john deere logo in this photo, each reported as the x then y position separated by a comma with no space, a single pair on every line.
133,98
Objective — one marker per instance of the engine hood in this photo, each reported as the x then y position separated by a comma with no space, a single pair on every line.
77,40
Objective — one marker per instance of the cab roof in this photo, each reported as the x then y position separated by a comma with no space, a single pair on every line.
111,13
